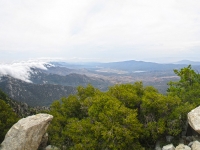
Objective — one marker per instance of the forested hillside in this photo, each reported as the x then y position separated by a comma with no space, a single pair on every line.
34,94
127,116
72,79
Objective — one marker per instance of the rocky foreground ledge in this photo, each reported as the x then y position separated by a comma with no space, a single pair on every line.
194,119
27,133
193,141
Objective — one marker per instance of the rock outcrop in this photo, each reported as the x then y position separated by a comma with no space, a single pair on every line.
50,147
44,140
194,119
168,147
182,147
192,142
27,133
196,145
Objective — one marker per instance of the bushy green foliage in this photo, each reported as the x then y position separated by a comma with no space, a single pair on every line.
7,116
159,114
7,119
3,95
121,118
188,87
129,94
127,116
94,120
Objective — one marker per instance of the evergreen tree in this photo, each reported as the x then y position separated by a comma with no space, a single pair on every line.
188,87
7,119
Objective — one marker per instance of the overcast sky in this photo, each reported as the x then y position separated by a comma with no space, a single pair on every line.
100,30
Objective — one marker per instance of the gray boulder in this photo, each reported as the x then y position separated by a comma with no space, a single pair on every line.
196,145
27,133
50,147
168,147
182,147
194,119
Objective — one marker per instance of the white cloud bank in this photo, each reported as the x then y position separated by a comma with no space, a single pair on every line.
21,70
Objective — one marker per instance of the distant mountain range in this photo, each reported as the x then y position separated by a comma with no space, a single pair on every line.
133,65
130,65
61,79
188,62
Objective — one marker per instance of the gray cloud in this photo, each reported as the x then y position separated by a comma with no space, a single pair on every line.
140,29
